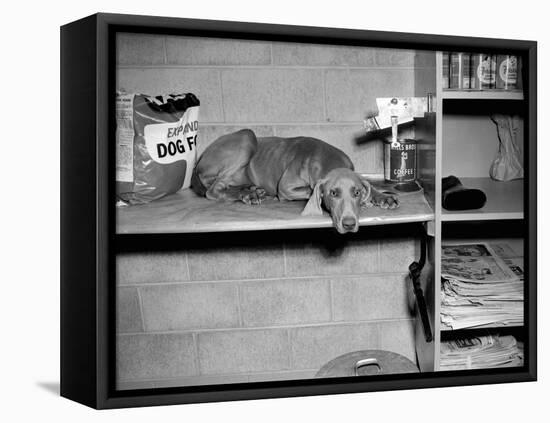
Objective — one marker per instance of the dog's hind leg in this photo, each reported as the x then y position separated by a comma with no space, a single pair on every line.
220,173
294,184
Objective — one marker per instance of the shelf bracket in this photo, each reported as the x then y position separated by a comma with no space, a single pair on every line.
415,271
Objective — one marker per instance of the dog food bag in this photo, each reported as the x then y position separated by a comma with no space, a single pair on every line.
156,145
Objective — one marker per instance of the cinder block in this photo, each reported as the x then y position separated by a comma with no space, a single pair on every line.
204,83
351,94
217,51
272,95
136,268
190,306
314,346
370,298
394,57
351,257
398,336
210,133
396,254
321,55
128,311
243,351
236,262
367,157
425,59
267,303
426,77
140,49
155,356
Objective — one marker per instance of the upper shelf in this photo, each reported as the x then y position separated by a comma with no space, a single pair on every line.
504,201
496,325
492,94
185,212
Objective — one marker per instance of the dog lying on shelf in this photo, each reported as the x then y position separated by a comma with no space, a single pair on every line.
240,167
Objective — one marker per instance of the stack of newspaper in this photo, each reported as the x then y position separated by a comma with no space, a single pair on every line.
481,285
481,352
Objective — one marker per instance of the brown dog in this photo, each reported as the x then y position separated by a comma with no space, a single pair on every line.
239,167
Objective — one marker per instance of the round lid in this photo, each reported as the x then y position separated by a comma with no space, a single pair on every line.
367,363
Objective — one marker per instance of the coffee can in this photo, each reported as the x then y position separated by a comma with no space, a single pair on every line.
507,72
400,161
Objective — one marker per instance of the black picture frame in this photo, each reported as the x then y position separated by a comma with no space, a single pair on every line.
87,216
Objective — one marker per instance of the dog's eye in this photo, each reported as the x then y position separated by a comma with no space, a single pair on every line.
356,193
333,193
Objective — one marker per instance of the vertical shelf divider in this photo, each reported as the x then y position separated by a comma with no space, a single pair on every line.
437,209
428,133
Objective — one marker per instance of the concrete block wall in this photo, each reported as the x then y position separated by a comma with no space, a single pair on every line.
260,312
277,310
273,88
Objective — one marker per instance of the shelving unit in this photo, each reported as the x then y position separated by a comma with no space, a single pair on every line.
504,199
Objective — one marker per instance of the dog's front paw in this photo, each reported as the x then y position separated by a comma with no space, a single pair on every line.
252,195
385,201
367,204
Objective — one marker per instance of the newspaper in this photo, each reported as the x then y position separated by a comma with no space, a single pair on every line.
482,285
474,263
481,352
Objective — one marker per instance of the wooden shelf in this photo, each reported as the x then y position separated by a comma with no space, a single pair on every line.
482,95
504,201
185,212
445,328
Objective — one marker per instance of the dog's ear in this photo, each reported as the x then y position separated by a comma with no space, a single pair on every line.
313,206
367,191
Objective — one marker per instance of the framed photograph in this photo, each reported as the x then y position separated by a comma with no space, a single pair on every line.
257,211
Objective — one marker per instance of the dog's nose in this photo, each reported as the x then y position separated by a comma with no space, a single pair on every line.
348,222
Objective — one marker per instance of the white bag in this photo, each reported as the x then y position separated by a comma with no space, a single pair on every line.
508,163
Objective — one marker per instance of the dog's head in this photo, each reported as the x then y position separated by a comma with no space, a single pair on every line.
343,193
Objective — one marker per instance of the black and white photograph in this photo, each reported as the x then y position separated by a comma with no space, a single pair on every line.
288,212
325,227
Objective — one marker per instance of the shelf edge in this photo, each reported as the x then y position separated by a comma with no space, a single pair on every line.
464,217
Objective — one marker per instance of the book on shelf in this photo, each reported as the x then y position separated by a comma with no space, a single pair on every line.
482,284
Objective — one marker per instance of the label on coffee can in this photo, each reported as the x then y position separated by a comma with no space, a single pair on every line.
486,71
507,72
400,161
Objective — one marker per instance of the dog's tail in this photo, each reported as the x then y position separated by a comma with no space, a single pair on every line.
196,184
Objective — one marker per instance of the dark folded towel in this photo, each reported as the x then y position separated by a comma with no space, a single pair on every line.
456,197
